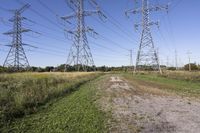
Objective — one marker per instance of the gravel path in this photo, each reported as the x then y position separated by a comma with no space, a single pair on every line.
147,113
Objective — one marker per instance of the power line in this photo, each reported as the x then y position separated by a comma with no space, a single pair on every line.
49,9
180,1
48,53
42,16
45,26
169,21
46,8
42,48
53,37
59,50
53,46
53,52
112,42
4,9
107,48
119,26
118,33
54,14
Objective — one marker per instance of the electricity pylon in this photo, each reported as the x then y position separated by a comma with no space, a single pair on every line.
80,54
147,55
16,58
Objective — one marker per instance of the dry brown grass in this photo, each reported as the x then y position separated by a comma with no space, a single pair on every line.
23,93
180,75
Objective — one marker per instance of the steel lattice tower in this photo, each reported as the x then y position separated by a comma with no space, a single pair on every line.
16,58
147,55
80,53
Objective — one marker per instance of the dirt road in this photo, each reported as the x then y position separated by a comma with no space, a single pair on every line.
133,111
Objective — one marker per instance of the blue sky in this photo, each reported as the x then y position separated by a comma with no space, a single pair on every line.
179,29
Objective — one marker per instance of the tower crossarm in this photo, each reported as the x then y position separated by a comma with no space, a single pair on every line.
87,29
133,11
159,7
72,4
148,24
98,12
25,44
90,13
150,9
22,9
69,16
16,18
85,12
15,32
70,31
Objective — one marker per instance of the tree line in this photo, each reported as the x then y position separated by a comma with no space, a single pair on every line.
61,68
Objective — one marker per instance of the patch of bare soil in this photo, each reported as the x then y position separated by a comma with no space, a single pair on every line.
148,113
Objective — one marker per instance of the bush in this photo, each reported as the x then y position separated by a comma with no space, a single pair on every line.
193,66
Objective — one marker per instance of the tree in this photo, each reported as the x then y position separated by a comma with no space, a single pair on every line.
49,69
193,66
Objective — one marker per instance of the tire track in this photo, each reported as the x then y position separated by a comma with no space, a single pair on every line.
147,113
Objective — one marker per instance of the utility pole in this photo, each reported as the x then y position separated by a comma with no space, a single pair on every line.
16,58
189,53
131,60
176,60
167,63
147,55
80,54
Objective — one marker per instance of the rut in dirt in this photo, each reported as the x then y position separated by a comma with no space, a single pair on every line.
133,111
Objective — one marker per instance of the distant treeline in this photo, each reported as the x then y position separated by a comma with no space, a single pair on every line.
61,68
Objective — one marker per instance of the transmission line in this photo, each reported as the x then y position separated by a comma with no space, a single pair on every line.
107,48
49,9
42,16
112,42
108,27
119,26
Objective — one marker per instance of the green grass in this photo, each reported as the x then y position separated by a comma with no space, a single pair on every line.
193,76
183,87
74,113
24,93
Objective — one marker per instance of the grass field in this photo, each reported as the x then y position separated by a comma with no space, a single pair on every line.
24,93
74,113
182,83
181,75
68,102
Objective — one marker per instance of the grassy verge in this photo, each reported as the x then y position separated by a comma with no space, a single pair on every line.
74,113
193,76
182,87
24,93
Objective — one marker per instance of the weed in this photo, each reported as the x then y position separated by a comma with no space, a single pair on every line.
23,93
